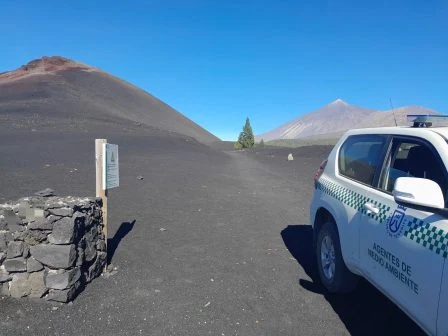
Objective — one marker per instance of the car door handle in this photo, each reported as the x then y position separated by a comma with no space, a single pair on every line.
371,208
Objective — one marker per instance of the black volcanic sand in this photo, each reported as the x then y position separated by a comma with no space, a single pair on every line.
220,243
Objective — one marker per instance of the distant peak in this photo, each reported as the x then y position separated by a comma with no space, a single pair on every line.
45,64
46,61
338,101
51,63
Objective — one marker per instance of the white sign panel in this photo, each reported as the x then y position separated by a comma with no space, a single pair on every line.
110,166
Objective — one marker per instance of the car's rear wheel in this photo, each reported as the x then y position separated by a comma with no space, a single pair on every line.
333,272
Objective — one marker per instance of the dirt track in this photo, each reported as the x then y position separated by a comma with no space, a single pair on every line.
235,257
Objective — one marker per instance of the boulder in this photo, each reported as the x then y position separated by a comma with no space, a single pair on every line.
19,286
15,249
62,279
5,276
90,251
37,284
54,256
53,218
64,231
15,265
97,267
32,265
45,193
64,295
63,212
41,224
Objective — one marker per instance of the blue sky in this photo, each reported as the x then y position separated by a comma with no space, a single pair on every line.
220,61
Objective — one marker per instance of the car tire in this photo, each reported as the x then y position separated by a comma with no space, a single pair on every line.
333,273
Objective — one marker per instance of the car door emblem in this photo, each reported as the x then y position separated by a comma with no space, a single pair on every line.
395,223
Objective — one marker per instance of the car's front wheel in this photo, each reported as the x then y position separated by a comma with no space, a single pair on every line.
333,272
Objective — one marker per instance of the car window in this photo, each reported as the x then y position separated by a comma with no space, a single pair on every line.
360,156
414,159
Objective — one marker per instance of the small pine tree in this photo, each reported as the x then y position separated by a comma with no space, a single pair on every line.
246,138
261,143
248,135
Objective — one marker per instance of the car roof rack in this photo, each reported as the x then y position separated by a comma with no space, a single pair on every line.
427,120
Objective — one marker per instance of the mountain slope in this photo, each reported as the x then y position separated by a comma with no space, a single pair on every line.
387,118
58,90
334,117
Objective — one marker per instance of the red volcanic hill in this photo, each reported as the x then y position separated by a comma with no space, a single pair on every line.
57,92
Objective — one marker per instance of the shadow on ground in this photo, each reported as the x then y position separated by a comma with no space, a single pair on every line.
112,243
366,311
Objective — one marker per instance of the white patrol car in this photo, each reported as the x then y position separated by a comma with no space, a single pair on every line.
380,211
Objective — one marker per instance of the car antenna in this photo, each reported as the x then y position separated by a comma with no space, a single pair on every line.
393,112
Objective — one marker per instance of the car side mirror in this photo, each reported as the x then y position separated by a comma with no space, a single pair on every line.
418,191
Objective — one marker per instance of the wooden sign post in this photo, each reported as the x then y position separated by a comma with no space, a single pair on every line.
107,176
100,190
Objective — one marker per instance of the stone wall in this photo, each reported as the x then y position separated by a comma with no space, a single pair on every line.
50,247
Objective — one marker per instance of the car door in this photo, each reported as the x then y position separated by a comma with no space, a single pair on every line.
442,321
402,248
359,164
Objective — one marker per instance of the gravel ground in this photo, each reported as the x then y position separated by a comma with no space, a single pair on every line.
208,243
